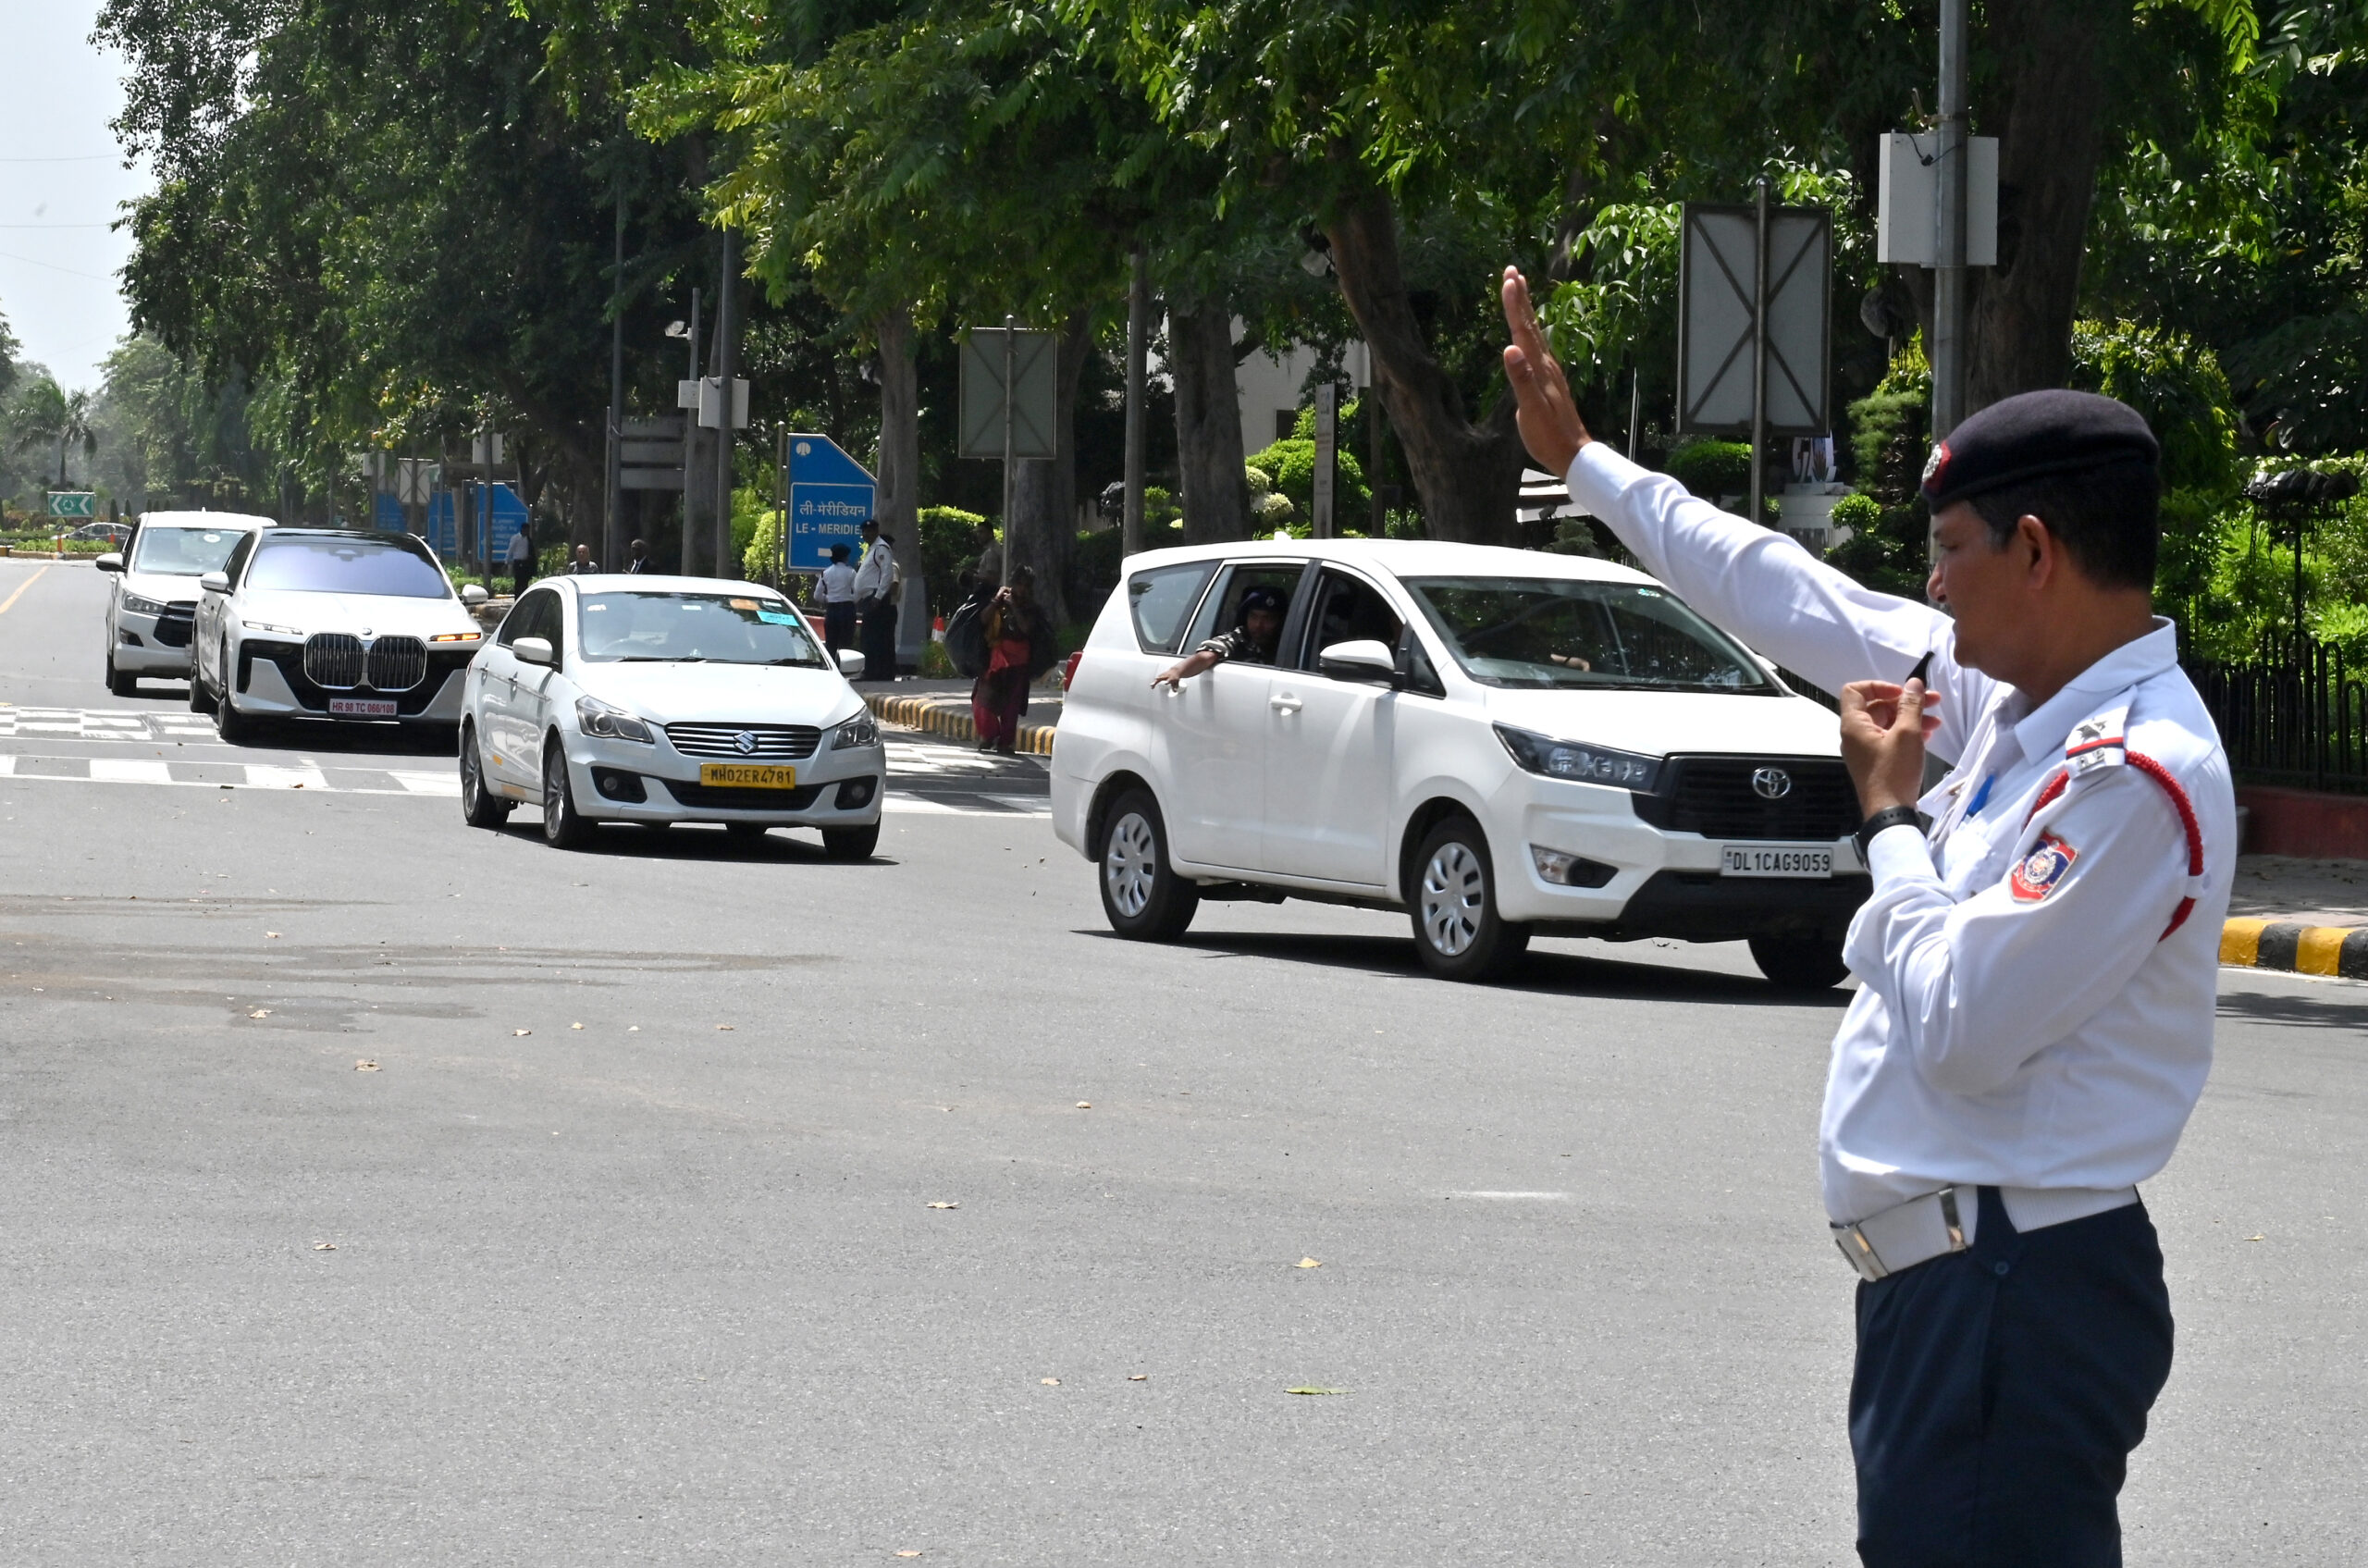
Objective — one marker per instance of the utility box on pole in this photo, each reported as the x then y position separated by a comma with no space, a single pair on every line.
1907,201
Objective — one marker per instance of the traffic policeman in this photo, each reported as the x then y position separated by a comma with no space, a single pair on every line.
2035,964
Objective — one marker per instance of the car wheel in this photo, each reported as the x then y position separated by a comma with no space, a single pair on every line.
1458,933
480,807
119,682
562,828
233,727
199,699
1800,963
1142,896
851,844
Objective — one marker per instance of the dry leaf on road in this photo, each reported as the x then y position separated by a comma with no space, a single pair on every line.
1085,1104
1313,1389
325,1246
901,1553
1049,1382
1308,1263
366,1064
516,1031
260,1012
945,1205
1138,1377
271,934
578,1025
725,1027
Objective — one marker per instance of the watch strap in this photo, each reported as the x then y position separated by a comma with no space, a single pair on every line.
1888,817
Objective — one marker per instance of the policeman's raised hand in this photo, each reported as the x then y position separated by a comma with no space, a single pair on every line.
1550,427
1883,730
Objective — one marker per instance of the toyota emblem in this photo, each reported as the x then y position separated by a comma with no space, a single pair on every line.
747,746
1771,783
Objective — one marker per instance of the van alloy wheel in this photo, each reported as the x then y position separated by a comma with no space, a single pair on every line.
1458,933
1455,898
1130,864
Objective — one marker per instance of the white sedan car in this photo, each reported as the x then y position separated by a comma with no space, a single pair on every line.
152,607
341,623
658,700
1498,742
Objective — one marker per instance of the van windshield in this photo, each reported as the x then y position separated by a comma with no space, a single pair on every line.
1562,633
183,552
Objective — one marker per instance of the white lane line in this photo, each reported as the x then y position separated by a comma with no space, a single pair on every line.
1516,1197
426,783
263,776
124,770
7,764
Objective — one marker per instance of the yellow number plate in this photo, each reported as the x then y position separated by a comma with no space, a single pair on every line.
747,775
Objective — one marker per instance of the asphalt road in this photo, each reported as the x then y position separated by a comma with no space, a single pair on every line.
381,1192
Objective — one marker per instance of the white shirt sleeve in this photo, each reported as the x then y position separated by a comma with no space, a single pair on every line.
1978,988
1762,587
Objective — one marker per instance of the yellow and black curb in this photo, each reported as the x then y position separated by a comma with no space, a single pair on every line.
950,716
2295,947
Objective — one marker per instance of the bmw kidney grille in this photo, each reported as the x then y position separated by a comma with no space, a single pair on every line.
340,661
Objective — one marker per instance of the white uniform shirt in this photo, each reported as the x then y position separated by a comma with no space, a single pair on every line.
2021,1020
877,577
838,582
520,550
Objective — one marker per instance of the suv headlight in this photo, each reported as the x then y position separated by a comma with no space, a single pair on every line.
861,729
267,626
608,722
140,606
1583,764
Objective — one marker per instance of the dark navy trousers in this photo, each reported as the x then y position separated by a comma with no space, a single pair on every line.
2000,1390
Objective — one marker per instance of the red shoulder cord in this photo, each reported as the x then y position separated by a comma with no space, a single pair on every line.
2179,803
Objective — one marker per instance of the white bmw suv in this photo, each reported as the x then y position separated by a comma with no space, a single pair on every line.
1501,742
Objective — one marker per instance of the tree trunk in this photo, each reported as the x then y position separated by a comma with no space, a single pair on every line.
1208,423
898,503
2050,140
1468,475
1041,529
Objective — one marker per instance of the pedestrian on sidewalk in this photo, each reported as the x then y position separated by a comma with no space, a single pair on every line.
522,560
639,562
2037,962
837,587
1019,647
877,580
582,565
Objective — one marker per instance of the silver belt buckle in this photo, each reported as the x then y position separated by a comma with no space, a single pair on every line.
1869,1263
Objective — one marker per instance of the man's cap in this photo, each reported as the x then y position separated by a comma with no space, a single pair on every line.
1262,599
2032,436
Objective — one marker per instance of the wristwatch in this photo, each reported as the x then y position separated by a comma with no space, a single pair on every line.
1888,817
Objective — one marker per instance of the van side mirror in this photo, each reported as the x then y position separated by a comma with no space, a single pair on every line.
535,650
851,664
1365,660
472,594
111,561
215,582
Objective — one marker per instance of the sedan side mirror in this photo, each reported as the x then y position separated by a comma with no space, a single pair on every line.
851,664
215,582
1365,660
535,650
473,595
111,561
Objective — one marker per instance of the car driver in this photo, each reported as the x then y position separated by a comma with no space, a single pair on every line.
1254,641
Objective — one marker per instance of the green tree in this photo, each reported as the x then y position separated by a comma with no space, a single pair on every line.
49,418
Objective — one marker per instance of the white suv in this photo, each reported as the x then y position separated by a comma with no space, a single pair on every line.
1502,742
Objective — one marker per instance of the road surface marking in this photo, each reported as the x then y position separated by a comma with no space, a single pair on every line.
129,770
20,591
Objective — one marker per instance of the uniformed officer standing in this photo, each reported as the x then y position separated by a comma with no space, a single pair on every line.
2037,962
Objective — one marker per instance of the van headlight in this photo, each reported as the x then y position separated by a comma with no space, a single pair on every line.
1580,762
861,729
139,606
608,722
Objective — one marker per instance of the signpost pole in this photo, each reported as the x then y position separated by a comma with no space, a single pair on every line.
1949,276
691,441
1759,350
612,535
1328,448
726,360
1008,394
782,468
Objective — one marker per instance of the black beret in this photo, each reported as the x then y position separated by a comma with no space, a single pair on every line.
2033,434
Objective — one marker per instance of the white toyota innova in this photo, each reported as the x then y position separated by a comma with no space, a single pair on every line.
1501,742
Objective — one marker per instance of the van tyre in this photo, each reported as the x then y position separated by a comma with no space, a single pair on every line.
563,827
1800,963
851,844
121,684
1142,896
480,807
1458,933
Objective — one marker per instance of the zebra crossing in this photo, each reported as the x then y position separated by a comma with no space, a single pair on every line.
924,775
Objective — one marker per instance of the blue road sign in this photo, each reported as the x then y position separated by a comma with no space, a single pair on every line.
829,495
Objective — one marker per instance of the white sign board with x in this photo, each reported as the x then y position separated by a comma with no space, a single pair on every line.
1718,286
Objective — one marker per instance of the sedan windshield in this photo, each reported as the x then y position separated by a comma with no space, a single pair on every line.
1561,633
695,628
184,552
346,566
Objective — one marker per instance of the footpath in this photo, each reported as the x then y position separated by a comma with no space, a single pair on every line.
942,708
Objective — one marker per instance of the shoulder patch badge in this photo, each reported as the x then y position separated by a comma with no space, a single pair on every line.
2035,876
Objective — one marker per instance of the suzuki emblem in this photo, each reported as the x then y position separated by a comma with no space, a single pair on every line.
1771,783
746,742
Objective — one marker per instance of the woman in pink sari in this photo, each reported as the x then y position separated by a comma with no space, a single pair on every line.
1019,647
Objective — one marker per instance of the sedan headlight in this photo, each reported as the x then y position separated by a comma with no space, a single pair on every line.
1583,764
267,626
139,606
608,722
861,729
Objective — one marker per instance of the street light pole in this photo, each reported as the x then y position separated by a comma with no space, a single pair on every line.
609,540
1010,324
727,369
1759,352
1949,275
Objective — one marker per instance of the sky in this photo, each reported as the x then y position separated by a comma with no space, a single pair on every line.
62,182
